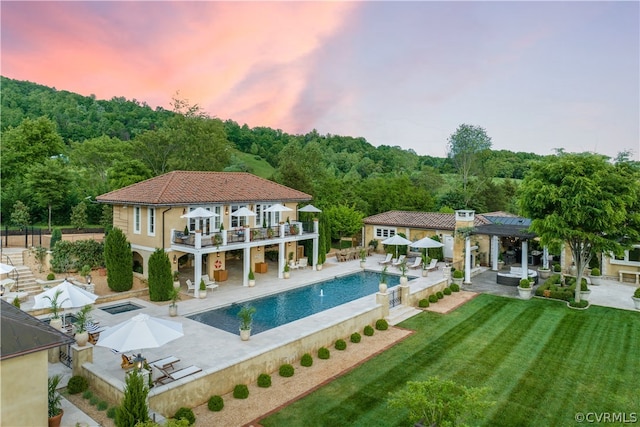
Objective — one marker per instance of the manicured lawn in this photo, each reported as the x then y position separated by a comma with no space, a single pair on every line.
543,362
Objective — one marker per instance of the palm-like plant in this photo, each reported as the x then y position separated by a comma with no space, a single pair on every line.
55,305
54,398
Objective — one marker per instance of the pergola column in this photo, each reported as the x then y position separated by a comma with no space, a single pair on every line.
467,260
545,257
315,243
246,265
525,259
282,259
494,253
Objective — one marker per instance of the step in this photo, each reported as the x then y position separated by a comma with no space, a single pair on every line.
401,313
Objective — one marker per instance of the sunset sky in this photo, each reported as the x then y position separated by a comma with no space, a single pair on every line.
536,75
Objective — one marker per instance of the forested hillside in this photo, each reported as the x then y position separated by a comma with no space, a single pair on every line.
60,148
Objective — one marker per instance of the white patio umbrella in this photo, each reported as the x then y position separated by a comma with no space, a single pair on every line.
140,331
309,208
278,208
6,268
426,242
396,241
199,213
243,212
71,296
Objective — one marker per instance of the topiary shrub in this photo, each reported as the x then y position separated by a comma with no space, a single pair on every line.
77,384
323,353
557,268
458,274
215,403
355,338
340,345
454,287
87,395
439,295
423,303
241,391
636,293
595,271
382,325
286,370
368,330
306,360
185,413
111,412
447,291
433,299
264,380
160,276
102,405
51,276
56,236
119,261
94,400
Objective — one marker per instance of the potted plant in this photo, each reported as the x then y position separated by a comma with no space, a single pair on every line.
584,290
636,298
174,296
176,279
203,289
524,289
500,261
252,278
54,401
426,260
457,276
82,318
86,272
595,276
55,307
403,270
285,271
382,287
270,233
246,319
294,229
217,239
363,257
557,268
544,273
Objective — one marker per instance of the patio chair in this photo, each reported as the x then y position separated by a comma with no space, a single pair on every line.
387,260
417,263
127,362
302,263
399,261
191,287
176,375
293,265
433,265
208,283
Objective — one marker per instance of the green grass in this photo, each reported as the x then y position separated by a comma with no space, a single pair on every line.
259,167
543,362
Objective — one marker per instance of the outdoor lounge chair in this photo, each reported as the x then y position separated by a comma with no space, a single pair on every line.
302,262
127,362
417,263
191,287
433,265
210,284
176,375
399,261
387,260
293,265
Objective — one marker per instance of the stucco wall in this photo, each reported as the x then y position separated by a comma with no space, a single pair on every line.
24,390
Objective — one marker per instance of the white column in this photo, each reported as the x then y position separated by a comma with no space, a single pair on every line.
467,260
246,266
494,253
197,273
525,259
282,258
198,239
315,244
545,257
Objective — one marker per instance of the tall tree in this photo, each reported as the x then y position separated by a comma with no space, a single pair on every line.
48,183
584,201
465,147
119,261
160,276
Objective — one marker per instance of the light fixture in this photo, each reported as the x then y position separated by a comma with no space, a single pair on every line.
175,259
226,210
218,254
289,243
259,248
88,279
138,361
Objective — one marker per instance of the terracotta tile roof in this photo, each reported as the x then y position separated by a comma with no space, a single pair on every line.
426,220
24,334
189,187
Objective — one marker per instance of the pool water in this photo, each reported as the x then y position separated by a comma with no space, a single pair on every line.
120,308
279,309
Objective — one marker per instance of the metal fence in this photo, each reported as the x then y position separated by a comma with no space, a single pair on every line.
394,297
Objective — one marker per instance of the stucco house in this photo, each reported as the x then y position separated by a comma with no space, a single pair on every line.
249,215
24,366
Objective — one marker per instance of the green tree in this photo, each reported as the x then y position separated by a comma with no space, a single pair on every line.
160,276
79,216
343,221
56,236
48,183
106,219
465,148
584,201
119,261
437,402
133,408
20,215
128,172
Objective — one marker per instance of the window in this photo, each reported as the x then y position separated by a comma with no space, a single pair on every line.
136,220
237,221
630,257
208,225
384,232
266,219
151,221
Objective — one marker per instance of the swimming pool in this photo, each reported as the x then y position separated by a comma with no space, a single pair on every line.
121,308
279,309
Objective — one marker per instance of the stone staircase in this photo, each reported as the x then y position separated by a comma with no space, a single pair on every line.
26,281
402,312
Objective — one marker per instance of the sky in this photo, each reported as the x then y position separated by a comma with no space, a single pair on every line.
537,76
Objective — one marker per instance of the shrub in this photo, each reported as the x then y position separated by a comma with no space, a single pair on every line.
340,345
241,391
286,370
454,287
87,394
160,276
556,267
111,412
524,283
447,291
382,325
94,400
77,384
185,413
56,236
636,293
439,295
215,403
355,337
583,285
368,330
323,353
595,271
102,405
306,360
423,303
264,380
458,274
51,276
433,299
119,259
581,304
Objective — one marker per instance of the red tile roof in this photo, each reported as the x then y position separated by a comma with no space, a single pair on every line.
426,220
189,187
